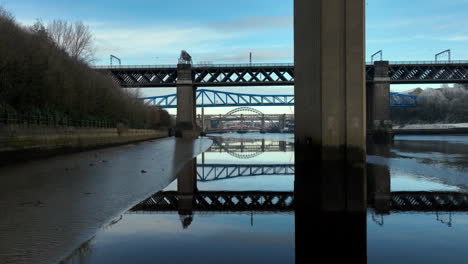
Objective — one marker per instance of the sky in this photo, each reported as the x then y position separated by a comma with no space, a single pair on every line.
142,32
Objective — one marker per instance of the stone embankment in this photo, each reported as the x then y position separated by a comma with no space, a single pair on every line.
20,142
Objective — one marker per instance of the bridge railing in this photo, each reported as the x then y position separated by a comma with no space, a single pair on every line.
8,118
226,65
161,66
244,65
425,62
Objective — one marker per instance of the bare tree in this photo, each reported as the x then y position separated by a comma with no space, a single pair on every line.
74,38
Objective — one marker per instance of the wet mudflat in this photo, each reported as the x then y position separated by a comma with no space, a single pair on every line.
228,221
50,207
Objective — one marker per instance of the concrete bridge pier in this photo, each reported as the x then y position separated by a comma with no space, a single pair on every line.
379,127
330,131
186,126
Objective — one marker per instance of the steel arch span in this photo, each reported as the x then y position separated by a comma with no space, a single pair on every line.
211,98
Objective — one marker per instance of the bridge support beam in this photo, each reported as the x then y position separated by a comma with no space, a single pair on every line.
379,128
186,126
330,130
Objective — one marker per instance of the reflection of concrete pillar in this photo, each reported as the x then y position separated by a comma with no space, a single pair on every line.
379,179
263,145
330,132
379,123
186,103
379,187
186,188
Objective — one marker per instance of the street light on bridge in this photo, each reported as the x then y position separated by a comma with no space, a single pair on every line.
440,53
114,57
375,54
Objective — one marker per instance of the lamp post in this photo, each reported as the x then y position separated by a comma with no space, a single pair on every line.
114,57
440,53
375,54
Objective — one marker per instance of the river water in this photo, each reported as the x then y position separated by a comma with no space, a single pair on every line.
240,207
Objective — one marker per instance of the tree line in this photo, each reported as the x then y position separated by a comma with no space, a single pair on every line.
444,105
44,69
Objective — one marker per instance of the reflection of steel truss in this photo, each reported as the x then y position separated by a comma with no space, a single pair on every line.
284,201
221,201
210,98
214,172
429,201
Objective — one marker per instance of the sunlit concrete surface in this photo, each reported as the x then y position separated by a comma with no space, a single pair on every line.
50,207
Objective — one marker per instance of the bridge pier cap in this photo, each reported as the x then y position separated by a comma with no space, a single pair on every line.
186,100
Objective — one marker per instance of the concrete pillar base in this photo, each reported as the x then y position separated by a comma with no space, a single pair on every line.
188,134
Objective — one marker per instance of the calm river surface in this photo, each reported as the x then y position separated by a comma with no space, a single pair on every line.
242,211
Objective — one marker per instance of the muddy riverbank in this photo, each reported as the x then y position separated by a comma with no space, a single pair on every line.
49,207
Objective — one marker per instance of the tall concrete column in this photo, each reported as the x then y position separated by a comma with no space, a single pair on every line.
330,95
186,126
380,125
330,130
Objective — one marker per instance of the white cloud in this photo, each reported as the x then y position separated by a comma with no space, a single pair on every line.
147,41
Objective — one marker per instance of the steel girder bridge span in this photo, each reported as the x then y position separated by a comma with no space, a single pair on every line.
417,72
212,98
266,201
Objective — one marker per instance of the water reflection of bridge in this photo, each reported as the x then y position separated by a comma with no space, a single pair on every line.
214,172
249,145
266,201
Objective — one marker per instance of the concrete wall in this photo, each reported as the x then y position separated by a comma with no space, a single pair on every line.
25,140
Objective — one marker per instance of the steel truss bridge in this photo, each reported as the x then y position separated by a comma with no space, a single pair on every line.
216,172
211,98
278,74
246,201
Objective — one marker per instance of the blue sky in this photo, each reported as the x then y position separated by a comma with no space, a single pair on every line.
221,31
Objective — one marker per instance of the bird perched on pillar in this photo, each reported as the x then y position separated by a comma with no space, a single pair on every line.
185,57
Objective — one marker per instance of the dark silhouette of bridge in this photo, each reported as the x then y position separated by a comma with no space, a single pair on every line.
267,201
277,74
